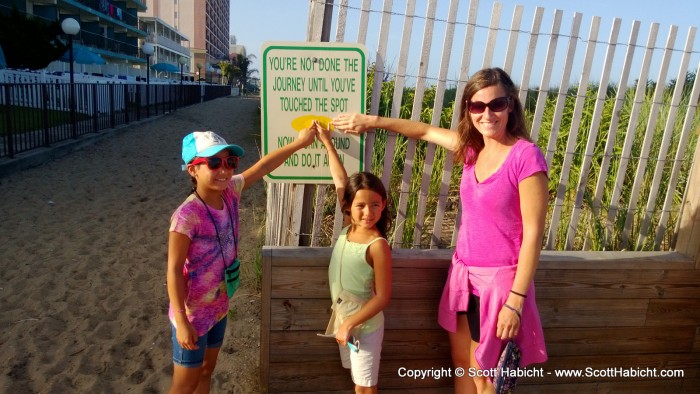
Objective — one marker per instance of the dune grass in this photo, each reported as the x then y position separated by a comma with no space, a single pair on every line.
592,229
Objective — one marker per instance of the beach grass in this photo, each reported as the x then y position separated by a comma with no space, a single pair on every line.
257,228
592,229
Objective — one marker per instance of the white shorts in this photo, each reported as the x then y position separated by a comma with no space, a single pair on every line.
364,365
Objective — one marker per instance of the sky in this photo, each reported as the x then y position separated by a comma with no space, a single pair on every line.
255,22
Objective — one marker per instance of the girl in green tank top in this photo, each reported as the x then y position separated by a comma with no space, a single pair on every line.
361,265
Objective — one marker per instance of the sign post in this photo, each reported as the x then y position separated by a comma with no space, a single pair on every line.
307,81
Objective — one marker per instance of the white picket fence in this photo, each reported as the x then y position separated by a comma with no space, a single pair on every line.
644,216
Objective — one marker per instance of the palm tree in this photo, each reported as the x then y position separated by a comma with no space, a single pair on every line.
226,70
241,70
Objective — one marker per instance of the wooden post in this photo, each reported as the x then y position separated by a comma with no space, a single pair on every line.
265,319
298,220
315,23
321,15
688,241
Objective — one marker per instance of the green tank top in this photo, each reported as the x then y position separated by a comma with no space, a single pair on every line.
349,265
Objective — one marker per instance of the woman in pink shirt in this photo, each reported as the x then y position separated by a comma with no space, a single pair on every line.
489,296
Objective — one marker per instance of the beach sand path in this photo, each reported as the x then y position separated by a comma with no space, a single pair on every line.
83,243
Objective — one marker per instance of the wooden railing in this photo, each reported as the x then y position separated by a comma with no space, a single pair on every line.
600,310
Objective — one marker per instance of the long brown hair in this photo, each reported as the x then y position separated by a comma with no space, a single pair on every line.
471,142
368,181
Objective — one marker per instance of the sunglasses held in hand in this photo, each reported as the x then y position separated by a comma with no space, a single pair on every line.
214,162
495,105
354,344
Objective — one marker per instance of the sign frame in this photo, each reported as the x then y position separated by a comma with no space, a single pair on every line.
267,139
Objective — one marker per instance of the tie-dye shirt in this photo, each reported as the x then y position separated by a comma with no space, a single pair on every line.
206,300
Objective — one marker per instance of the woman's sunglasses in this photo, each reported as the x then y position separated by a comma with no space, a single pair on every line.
214,162
495,105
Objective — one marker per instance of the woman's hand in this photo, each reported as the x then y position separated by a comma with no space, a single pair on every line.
353,123
186,335
508,323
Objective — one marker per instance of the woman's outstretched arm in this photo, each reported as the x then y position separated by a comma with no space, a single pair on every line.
358,123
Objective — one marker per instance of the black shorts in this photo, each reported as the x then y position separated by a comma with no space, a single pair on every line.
473,314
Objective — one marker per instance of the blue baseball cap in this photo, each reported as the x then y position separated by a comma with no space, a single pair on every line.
205,144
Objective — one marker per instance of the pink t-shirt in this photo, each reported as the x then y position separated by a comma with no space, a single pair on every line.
491,230
206,300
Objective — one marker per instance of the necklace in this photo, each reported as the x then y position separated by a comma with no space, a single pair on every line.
216,228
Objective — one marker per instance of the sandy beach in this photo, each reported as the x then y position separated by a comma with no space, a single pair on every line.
83,243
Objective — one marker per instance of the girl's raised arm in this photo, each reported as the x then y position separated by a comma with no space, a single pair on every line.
358,123
340,176
274,159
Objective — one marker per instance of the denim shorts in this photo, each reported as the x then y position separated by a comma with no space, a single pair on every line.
214,338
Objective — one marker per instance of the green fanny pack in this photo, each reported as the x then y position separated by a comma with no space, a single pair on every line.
232,277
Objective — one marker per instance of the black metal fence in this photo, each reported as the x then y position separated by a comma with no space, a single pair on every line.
34,115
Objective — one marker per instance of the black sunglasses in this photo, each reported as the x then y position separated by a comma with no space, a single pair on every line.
495,105
214,162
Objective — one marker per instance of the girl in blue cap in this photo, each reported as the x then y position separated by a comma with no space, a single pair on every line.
203,251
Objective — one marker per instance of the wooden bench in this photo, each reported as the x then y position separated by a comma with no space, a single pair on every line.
600,310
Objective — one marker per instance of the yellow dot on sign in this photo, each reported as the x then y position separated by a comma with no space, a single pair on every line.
304,122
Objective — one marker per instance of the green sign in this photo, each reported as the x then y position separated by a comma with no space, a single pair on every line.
302,82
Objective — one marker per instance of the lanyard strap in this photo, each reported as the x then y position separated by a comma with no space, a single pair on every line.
340,264
216,228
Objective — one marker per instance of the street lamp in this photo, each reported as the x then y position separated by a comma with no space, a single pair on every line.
71,27
199,72
183,61
148,49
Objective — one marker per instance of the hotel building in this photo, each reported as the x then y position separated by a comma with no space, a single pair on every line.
204,23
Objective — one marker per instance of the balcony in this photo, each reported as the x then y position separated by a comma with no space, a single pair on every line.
141,6
171,45
127,23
